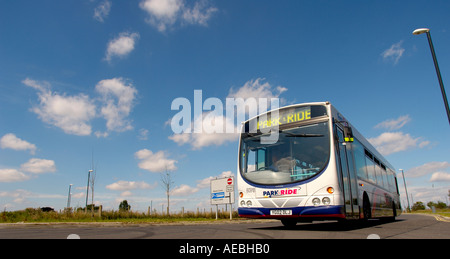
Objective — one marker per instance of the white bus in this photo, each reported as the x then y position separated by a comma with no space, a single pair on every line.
321,168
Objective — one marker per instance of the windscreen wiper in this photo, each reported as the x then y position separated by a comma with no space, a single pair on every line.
303,135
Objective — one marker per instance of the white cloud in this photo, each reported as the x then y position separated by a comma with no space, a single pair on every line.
214,124
128,186
70,113
12,175
394,124
118,98
40,86
28,170
12,142
440,177
206,182
102,11
393,142
163,14
73,114
184,190
126,194
425,194
79,195
181,139
257,89
394,53
199,14
100,134
121,46
18,195
155,162
38,166
204,139
143,134
428,168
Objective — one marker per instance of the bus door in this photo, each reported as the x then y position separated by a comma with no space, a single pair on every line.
345,166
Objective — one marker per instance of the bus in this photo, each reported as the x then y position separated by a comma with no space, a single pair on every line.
319,168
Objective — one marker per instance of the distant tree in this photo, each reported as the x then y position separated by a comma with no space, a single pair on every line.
166,179
441,205
124,206
431,204
418,206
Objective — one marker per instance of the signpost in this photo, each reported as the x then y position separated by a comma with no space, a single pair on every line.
222,192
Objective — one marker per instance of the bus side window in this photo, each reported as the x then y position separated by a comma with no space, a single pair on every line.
385,179
390,179
378,173
360,161
371,170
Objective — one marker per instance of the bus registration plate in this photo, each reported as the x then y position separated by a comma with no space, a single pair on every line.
280,212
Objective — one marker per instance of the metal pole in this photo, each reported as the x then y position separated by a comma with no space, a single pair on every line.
438,72
87,191
406,190
68,197
231,208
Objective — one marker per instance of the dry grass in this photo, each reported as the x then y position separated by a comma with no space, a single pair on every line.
31,215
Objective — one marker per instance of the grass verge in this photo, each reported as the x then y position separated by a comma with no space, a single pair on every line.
31,215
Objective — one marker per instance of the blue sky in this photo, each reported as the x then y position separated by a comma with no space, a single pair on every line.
85,79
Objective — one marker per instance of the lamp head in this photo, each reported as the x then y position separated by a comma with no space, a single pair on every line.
420,31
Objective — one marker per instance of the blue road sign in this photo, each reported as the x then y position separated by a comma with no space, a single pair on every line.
218,195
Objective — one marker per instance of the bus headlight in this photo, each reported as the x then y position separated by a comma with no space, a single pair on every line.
249,203
326,201
242,203
316,201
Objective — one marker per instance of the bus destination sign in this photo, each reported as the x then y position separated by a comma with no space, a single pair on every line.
285,116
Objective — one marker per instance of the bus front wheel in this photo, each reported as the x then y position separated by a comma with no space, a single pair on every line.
366,208
289,223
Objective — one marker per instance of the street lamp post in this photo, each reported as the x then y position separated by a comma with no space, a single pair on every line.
438,72
87,190
406,190
68,197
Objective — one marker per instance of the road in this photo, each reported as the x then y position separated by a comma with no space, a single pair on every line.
406,226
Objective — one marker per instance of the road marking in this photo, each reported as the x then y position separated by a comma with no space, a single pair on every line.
373,236
441,218
73,236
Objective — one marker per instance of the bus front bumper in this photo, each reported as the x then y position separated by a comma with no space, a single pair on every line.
307,213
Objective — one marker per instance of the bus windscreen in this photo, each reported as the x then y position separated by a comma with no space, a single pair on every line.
299,154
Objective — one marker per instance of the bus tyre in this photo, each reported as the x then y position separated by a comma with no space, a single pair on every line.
366,208
289,223
394,213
